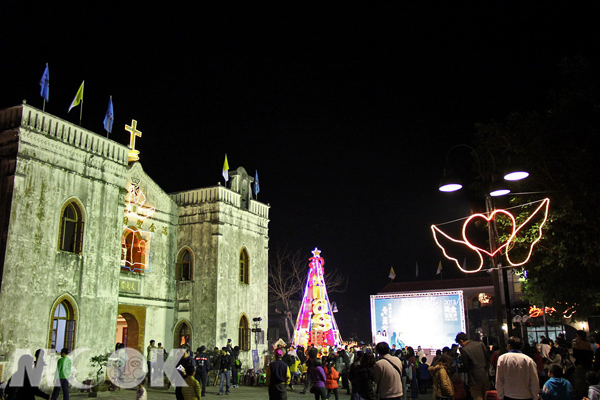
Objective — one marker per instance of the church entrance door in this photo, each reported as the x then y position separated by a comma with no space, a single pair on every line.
128,330
131,323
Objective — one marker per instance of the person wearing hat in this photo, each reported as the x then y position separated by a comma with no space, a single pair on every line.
278,377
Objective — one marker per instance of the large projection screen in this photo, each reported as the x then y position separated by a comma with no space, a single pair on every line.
430,320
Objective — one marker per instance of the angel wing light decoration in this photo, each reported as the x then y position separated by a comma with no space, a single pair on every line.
505,248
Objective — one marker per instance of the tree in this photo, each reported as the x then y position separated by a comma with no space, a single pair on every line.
287,279
559,145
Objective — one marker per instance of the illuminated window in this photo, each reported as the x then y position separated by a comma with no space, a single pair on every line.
134,254
244,334
62,331
185,266
183,336
244,267
71,229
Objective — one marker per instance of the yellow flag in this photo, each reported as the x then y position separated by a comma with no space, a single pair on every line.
392,273
226,169
78,97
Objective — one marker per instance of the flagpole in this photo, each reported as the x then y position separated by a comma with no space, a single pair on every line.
81,111
44,106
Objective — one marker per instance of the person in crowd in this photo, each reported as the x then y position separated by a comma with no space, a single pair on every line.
318,378
443,387
186,361
593,380
438,354
63,372
332,376
475,360
582,350
192,391
225,363
423,376
236,365
387,373
310,364
494,362
150,356
294,370
578,379
355,364
345,368
516,376
162,352
557,387
301,354
539,362
411,372
402,356
140,393
215,359
203,367
23,386
593,344
544,347
362,377
278,377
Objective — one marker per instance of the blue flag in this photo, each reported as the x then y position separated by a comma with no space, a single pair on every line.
45,84
256,184
109,118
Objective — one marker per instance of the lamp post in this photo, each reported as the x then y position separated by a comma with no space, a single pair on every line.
492,188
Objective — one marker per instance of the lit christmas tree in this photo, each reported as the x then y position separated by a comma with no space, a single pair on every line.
315,323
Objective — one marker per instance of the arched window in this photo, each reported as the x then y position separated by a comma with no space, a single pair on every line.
244,334
184,270
62,331
70,237
244,267
134,252
183,336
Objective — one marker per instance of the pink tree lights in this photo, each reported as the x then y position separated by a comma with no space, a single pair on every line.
316,324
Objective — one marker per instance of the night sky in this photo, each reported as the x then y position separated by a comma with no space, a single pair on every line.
347,112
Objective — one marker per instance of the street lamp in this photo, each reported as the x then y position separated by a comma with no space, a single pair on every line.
493,187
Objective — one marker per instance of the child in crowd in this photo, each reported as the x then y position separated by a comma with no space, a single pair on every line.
424,377
140,394
557,387
593,379
331,383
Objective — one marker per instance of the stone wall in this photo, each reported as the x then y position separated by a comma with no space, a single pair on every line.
215,227
49,172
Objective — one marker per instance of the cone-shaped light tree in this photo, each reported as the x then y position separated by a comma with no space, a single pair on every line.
315,324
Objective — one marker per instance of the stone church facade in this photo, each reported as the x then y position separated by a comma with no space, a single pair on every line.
93,252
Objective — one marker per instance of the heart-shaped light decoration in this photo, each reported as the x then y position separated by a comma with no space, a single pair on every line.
488,219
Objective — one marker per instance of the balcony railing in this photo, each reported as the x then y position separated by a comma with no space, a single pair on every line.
26,116
218,193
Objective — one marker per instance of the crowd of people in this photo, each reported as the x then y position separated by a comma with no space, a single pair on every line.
469,369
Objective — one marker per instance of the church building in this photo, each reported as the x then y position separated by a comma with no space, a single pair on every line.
93,252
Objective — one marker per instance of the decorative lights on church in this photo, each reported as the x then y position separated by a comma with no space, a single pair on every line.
136,243
134,155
